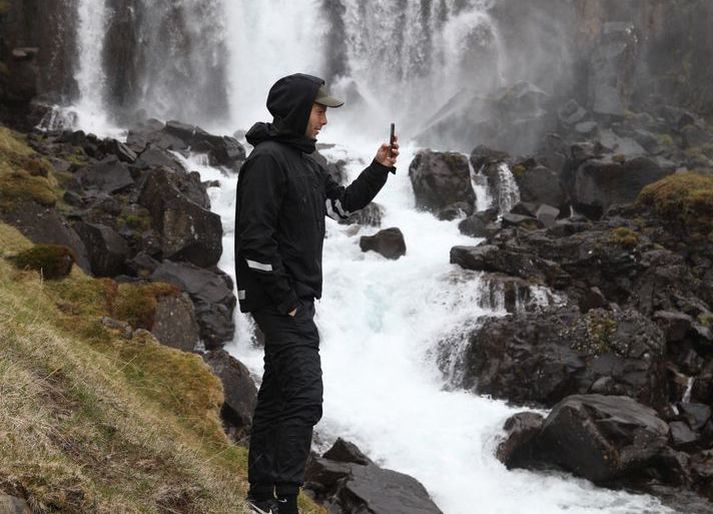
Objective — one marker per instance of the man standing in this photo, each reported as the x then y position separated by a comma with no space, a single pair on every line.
282,199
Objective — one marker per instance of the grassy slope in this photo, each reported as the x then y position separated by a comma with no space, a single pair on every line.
90,422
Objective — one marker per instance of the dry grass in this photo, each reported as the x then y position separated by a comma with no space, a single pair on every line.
93,423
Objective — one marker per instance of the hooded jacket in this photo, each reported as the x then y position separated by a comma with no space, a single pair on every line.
283,197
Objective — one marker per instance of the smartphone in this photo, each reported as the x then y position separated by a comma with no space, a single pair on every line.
392,137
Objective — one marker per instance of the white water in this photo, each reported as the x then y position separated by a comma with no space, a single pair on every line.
508,192
380,320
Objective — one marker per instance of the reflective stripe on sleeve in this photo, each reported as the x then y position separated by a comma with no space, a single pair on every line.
241,294
258,265
330,211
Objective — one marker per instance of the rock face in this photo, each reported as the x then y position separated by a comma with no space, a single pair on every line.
347,482
239,391
108,251
440,179
12,505
188,231
388,242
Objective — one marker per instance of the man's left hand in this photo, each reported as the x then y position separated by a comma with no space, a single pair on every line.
386,158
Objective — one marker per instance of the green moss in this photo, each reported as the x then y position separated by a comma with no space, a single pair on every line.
624,237
136,304
620,158
665,139
600,328
686,198
519,170
53,261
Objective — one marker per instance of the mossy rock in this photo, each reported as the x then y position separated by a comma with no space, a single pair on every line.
53,261
625,237
685,198
519,170
136,303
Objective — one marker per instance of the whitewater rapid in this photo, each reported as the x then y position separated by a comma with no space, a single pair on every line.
380,322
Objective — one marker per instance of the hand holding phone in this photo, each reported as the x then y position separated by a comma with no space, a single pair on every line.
392,138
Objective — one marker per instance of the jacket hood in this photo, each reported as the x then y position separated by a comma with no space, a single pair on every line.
290,102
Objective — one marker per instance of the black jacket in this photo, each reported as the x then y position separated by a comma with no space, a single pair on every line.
282,198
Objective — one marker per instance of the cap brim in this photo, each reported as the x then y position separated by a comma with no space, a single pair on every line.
329,101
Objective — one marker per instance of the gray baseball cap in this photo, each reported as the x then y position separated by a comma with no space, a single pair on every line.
324,98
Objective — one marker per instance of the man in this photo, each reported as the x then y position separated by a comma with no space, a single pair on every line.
282,199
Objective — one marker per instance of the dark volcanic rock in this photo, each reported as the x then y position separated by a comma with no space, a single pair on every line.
370,215
516,450
155,157
110,176
440,179
354,484
212,297
43,225
239,390
188,231
107,250
542,357
388,242
541,185
603,438
175,322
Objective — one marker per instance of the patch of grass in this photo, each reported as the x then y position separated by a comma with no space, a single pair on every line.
23,174
137,304
519,170
625,237
53,261
665,139
90,423
685,198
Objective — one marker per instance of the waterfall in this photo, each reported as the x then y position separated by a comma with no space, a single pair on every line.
508,192
689,389
479,183
380,321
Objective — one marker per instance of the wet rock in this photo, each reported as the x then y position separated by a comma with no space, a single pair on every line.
212,298
542,357
696,414
681,435
517,220
155,157
337,170
344,451
188,231
586,128
571,113
239,391
603,438
694,136
222,150
175,322
106,249
547,215
388,242
440,179
455,210
476,225
541,185
675,325
370,216
118,149
109,176
516,450
353,485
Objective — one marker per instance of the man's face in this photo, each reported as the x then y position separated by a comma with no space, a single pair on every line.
317,120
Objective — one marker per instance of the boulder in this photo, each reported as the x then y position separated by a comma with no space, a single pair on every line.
547,215
603,438
211,295
516,449
388,242
175,322
109,176
13,505
155,157
371,216
440,179
118,149
187,230
337,170
44,225
600,183
222,150
354,484
541,185
107,250
454,210
476,225
238,389
539,358
571,113
694,136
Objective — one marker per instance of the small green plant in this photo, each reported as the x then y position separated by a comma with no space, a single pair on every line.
625,237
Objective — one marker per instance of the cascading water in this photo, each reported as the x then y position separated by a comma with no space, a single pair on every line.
381,321
508,192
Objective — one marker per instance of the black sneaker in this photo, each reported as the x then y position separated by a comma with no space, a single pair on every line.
288,505
263,506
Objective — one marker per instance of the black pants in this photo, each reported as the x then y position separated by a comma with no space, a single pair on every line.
289,402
